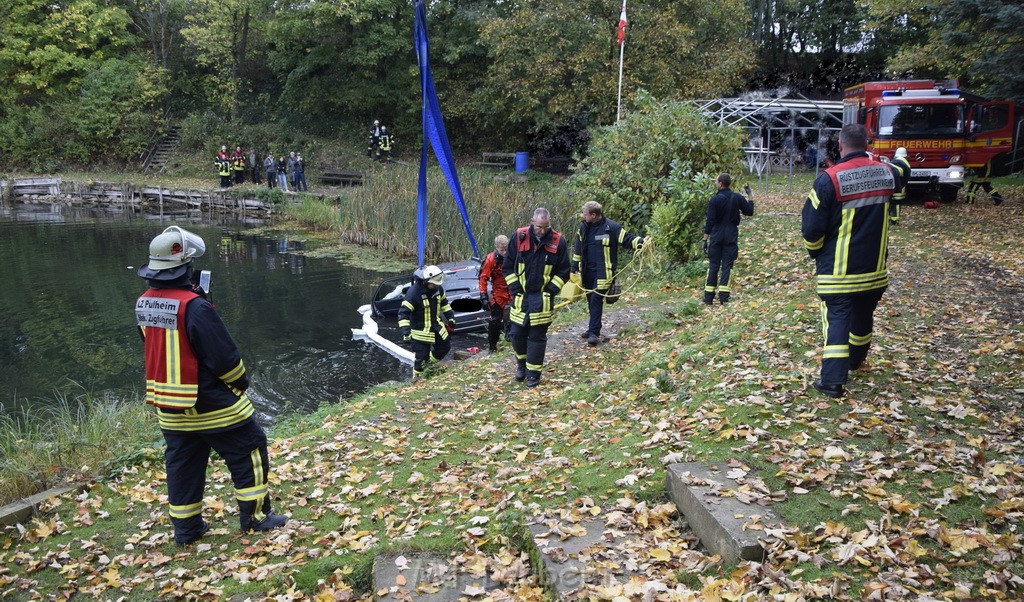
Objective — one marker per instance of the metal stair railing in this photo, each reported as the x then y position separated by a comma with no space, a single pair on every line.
154,141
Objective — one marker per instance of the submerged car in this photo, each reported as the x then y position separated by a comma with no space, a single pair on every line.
461,287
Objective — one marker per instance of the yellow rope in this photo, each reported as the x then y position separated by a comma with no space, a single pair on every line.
644,258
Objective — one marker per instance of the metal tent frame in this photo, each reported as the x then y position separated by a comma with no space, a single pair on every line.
764,115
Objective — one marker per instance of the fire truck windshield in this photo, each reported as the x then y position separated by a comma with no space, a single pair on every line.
921,120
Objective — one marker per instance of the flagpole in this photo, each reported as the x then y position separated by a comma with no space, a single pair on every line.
622,52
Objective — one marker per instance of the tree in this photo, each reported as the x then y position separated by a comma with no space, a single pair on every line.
656,168
77,89
219,33
47,46
555,62
978,41
351,61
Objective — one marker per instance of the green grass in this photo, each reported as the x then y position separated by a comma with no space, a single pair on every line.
721,384
78,436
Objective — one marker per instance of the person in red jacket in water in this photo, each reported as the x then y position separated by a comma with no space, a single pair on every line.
494,291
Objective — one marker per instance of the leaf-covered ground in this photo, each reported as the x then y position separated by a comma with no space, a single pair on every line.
909,488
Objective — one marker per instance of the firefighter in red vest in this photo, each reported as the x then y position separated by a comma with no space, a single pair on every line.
846,230
238,165
494,290
535,268
196,380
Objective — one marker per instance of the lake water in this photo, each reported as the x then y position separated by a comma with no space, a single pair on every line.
68,285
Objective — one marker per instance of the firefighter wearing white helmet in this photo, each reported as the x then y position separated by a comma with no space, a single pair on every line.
901,172
425,318
196,379
373,148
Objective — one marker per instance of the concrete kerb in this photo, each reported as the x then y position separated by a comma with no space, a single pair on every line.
722,522
425,578
21,510
561,559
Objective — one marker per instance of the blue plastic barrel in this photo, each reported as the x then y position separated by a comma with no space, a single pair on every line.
522,162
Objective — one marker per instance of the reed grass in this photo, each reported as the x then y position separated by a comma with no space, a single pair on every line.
382,212
73,437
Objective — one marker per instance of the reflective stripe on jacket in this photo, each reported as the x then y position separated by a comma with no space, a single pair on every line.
425,312
597,249
845,225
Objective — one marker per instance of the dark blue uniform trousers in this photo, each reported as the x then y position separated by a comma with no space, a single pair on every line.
721,256
244,450
847,322
595,301
423,350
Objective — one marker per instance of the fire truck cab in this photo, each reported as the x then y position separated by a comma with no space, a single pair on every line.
945,131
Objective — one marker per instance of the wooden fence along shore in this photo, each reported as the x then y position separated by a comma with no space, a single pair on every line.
126,197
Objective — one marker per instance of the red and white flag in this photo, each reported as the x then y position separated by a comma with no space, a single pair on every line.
620,35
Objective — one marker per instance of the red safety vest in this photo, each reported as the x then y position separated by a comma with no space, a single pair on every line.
172,370
523,235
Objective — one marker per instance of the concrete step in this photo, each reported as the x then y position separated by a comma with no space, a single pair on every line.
567,551
628,550
726,506
427,578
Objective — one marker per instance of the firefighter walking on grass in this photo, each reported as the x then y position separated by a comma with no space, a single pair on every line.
536,267
426,319
596,257
845,229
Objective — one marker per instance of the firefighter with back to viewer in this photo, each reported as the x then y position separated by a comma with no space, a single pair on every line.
721,237
846,231
426,319
196,379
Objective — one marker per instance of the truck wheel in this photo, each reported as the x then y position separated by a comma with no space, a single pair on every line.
948,192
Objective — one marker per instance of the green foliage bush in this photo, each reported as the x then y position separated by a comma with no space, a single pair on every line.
653,168
109,118
678,222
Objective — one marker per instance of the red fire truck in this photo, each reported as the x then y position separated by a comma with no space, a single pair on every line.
945,131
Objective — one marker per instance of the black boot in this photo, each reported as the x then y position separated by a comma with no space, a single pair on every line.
521,371
268,522
190,538
833,391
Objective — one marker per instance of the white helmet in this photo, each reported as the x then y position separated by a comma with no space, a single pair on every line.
901,153
433,275
174,247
